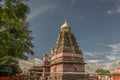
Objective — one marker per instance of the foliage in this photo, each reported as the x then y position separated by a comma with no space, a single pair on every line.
102,72
9,66
15,39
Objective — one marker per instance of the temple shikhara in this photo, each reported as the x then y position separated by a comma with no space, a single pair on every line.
66,60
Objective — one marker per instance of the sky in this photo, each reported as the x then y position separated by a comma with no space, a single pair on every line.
95,24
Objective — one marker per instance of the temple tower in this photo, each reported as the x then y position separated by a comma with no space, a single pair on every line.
66,57
46,67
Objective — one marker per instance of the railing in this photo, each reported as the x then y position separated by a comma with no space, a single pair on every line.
62,72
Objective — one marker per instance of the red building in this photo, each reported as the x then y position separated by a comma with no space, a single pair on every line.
116,74
66,61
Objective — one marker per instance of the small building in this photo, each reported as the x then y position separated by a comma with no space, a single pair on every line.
35,72
116,74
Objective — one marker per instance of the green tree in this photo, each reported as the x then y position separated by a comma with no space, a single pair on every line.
15,39
9,66
102,72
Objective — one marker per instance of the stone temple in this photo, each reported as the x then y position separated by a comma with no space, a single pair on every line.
66,61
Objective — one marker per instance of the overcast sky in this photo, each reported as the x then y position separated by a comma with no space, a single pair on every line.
95,23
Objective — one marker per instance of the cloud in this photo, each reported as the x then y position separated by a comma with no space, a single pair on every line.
89,54
41,10
27,64
101,44
111,54
93,61
107,59
114,51
95,57
111,57
115,10
115,47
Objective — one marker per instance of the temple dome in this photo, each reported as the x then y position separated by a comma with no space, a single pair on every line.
65,26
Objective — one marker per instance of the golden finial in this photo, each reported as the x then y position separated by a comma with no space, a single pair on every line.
65,21
65,26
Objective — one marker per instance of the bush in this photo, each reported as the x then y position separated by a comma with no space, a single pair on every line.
9,66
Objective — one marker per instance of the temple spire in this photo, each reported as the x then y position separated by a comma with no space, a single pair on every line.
65,21
66,41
